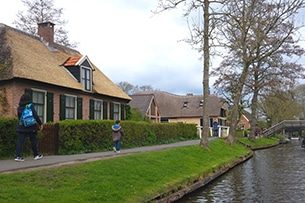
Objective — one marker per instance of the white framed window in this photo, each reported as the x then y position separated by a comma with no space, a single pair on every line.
71,107
39,100
201,103
185,104
116,111
98,110
86,78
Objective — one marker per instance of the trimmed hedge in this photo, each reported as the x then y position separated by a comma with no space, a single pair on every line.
8,137
83,136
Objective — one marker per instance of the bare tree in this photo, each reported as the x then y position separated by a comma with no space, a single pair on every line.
40,11
146,88
126,87
131,89
201,31
257,34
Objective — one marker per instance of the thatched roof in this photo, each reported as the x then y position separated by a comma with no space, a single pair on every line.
32,59
142,102
171,105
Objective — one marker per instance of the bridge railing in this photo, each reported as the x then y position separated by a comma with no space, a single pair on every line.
223,131
282,126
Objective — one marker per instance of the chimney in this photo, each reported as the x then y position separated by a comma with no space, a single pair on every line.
46,31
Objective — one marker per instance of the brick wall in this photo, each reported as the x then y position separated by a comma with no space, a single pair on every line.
14,89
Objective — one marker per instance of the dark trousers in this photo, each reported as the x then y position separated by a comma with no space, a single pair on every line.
117,145
215,133
21,138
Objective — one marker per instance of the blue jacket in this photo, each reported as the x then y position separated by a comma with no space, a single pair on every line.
215,126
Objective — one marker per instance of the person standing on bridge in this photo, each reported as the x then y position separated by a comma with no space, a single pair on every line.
215,128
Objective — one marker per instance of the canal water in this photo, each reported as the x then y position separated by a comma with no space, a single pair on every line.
275,174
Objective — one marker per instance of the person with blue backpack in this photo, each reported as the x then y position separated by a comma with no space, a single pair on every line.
27,126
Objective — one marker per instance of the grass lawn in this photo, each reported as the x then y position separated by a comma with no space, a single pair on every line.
259,142
132,178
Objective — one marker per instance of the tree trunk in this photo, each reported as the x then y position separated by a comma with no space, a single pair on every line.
206,92
235,113
253,120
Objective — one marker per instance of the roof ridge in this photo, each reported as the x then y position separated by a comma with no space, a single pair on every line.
36,37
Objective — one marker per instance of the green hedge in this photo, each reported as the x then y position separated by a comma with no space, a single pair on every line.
8,137
83,136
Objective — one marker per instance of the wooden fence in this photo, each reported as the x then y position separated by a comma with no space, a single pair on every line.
48,143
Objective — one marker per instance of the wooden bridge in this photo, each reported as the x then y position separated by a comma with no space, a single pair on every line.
285,126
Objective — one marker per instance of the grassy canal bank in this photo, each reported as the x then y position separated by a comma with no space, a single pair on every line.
142,177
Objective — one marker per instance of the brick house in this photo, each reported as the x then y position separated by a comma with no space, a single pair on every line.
244,122
64,84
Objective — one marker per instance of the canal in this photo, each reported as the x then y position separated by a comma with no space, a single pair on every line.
275,174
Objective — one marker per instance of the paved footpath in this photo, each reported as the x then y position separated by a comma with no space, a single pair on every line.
7,166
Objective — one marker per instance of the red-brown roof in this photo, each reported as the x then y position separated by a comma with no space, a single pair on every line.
72,61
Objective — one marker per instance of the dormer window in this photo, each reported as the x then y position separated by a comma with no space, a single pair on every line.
86,78
81,69
185,104
201,103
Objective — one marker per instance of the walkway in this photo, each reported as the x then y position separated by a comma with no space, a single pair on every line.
53,161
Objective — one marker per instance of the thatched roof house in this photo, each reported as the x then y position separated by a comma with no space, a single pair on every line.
64,83
187,109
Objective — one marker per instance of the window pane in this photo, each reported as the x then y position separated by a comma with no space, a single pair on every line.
69,114
86,78
70,102
98,110
116,111
39,102
70,107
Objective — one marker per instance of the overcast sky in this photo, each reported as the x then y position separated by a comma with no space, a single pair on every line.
128,43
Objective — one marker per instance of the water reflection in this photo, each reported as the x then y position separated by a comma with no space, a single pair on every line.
272,175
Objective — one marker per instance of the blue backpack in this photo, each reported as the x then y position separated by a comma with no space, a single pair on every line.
27,117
